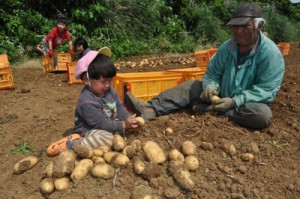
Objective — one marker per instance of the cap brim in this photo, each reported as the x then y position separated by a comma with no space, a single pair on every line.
105,51
238,21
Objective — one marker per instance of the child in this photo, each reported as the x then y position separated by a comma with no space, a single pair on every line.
55,38
99,112
81,47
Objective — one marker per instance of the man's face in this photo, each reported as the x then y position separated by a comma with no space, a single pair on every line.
245,35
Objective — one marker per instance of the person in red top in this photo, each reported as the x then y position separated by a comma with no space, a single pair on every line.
55,38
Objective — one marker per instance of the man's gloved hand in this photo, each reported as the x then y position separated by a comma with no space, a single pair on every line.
72,52
50,53
224,104
207,94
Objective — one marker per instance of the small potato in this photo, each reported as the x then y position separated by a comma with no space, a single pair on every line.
214,99
176,155
98,152
137,145
108,156
153,152
104,148
129,151
188,148
47,185
169,131
97,159
84,151
102,170
64,163
182,177
120,160
48,171
247,157
118,142
140,121
61,184
139,166
81,170
192,162
25,164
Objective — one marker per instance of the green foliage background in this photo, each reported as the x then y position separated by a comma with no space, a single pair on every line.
136,27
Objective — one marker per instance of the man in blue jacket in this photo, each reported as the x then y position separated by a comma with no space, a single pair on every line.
246,73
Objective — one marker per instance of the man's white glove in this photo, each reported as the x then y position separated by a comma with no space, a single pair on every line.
224,104
207,94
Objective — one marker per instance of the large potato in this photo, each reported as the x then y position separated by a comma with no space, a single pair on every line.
25,164
81,170
182,177
176,155
64,163
47,185
137,145
154,153
61,184
84,151
128,151
120,160
188,148
108,156
102,170
118,142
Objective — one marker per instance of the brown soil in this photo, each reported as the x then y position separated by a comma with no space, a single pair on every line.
40,111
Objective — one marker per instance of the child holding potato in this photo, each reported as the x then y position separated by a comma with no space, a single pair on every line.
99,112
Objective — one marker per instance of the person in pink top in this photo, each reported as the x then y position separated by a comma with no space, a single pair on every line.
55,38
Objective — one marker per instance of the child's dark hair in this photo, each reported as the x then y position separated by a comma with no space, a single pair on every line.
102,66
62,20
81,41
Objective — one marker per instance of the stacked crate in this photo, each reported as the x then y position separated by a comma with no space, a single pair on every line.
6,78
285,46
146,85
61,58
189,73
203,57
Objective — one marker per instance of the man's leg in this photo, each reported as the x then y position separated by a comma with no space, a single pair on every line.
251,115
181,96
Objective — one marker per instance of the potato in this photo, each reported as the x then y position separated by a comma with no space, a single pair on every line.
188,148
98,152
84,151
207,146
64,163
176,155
137,145
61,184
81,170
25,164
102,170
47,185
169,131
214,99
128,151
97,159
192,162
138,166
48,171
153,152
108,156
247,157
182,177
140,121
120,160
104,148
118,142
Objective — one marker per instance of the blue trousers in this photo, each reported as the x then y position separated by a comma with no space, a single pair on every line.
185,95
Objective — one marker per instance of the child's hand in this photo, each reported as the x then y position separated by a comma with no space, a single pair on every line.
130,122
72,53
50,53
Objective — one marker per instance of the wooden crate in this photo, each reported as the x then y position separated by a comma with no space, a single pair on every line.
286,47
190,73
62,60
71,73
6,78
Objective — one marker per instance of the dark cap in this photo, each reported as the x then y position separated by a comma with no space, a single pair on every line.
244,12
62,20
